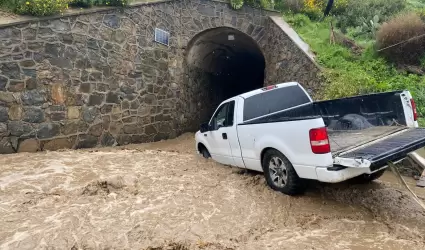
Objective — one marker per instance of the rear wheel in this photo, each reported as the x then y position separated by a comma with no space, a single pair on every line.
280,174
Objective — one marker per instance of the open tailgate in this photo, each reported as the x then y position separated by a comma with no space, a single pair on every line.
376,154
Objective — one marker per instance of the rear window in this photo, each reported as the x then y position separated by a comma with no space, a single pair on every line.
273,101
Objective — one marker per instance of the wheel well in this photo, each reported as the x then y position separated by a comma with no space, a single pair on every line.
201,147
263,152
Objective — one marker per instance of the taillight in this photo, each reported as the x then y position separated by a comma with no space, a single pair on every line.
415,112
319,141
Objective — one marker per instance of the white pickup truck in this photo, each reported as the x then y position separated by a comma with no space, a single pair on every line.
280,131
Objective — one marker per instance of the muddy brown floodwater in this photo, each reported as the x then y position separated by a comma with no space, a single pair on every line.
163,196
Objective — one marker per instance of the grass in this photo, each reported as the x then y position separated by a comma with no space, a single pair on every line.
348,74
416,4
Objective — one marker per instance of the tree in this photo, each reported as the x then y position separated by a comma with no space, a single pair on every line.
328,7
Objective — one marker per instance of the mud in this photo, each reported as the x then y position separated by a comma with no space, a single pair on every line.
163,196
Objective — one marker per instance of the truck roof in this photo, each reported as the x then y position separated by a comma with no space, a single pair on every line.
258,91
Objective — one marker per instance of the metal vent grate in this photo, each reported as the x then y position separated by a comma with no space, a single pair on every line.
162,37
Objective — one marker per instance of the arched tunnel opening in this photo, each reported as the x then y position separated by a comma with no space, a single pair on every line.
222,63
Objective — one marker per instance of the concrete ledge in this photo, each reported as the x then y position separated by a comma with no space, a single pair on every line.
19,19
293,35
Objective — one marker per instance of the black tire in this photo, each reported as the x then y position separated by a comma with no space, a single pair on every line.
293,185
366,178
205,153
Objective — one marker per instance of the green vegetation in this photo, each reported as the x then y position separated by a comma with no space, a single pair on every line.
265,4
52,7
352,64
41,7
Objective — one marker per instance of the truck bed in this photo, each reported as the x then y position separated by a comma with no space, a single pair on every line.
342,140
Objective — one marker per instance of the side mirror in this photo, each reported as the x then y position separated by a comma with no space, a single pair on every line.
204,127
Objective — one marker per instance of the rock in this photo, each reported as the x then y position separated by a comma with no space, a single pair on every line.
10,70
59,25
107,139
52,49
48,130
6,146
58,96
106,109
90,114
73,112
27,63
3,130
150,129
58,116
87,141
112,21
112,97
16,86
133,129
123,139
115,128
31,83
3,82
6,97
61,63
14,142
57,108
73,127
33,97
15,112
33,115
150,99
60,143
18,128
96,99
3,114
29,145
96,130
118,36
85,87
165,128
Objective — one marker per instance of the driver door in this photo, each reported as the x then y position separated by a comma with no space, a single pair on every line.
221,124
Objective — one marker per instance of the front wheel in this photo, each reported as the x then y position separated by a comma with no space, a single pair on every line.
205,153
280,174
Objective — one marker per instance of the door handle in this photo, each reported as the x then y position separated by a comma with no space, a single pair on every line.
224,136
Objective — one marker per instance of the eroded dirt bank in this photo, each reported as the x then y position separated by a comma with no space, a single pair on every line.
163,196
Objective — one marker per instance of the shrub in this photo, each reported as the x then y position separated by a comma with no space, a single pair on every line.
41,7
8,4
312,8
298,20
398,30
236,4
294,6
351,15
90,3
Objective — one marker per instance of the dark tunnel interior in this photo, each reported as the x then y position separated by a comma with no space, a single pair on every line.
223,62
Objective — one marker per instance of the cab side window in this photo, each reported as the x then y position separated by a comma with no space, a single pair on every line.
224,116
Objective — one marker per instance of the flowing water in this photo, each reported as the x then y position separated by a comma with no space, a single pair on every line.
163,196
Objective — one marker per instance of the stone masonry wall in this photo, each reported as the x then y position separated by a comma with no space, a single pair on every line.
286,62
99,78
